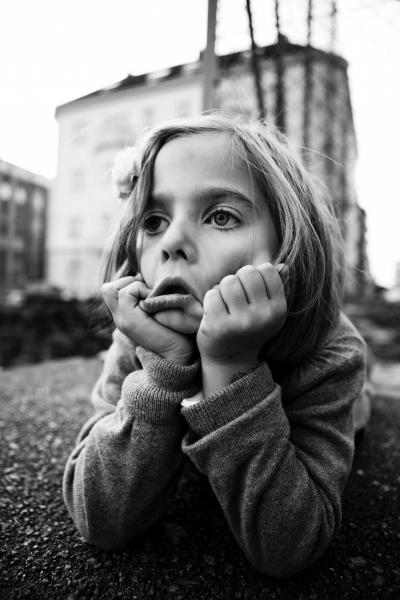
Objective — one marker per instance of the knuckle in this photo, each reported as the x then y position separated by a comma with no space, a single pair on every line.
105,288
266,268
131,288
228,279
247,270
107,294
208,297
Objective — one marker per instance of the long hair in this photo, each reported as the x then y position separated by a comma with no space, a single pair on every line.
309,241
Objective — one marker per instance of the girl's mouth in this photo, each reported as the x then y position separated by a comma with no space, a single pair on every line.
171,292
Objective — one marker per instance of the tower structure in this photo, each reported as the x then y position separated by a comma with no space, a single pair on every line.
305,93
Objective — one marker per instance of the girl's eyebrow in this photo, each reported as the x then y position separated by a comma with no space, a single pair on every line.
216,192
205,194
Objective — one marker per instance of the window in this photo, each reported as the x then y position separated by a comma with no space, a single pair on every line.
3,264
75,227
5,190
38,201
20,195
149,116
77,180
4,217
79,131
20,219
184,108
74,271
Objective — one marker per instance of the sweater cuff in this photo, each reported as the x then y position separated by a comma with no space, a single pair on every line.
167,374
154,394
231,402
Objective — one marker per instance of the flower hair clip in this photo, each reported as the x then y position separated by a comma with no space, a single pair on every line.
126,172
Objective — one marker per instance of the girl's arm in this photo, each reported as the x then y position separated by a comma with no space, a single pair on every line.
278,460
128,458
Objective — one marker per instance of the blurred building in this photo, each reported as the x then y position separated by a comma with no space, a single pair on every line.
23,209
393,294
306,94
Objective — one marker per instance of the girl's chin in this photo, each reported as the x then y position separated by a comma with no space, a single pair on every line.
178,320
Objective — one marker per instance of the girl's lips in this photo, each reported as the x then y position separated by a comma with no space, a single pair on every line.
172,285
169,293
153,304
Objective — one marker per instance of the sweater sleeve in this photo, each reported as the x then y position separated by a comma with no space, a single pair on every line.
128,458
278,458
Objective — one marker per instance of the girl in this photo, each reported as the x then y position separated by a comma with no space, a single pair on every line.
229,348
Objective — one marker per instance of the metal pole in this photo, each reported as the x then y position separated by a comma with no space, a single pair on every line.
308,78
209,61
309,21
280,73
255,66
333,19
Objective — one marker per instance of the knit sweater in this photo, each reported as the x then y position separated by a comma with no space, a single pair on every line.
277,456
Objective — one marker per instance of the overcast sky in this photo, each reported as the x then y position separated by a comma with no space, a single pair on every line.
53,51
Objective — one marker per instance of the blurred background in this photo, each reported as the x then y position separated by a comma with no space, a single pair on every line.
81,80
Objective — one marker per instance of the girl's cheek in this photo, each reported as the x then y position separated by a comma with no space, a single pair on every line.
260,257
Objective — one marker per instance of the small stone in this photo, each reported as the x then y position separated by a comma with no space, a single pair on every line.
357,561
379,581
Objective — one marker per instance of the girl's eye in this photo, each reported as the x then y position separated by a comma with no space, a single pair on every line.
154,224
223,219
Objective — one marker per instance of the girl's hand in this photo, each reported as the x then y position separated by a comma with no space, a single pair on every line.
240,314
122,298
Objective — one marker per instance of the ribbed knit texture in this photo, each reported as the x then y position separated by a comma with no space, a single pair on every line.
155,393
231,402
277,456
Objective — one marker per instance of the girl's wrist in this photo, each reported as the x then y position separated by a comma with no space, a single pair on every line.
180,358
216,375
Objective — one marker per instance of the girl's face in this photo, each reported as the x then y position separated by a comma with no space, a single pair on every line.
205,218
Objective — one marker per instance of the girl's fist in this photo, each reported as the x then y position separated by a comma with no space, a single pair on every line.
241,314
123,298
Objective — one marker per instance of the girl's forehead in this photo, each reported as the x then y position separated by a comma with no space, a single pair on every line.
202,161
209,151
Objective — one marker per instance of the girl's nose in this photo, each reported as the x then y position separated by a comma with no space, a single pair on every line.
179,242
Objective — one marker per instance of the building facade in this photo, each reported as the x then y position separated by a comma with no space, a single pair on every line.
306,94
23,218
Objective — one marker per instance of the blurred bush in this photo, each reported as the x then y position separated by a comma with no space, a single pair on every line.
46,326
379,323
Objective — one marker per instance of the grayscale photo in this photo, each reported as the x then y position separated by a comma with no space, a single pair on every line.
199,300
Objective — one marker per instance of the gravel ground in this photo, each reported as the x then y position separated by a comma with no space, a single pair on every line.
191,554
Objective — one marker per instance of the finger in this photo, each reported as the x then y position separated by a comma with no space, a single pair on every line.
137,290
232,293
272,281
122,271
253,284
110,291
119,284
283,271
178,321
213,304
